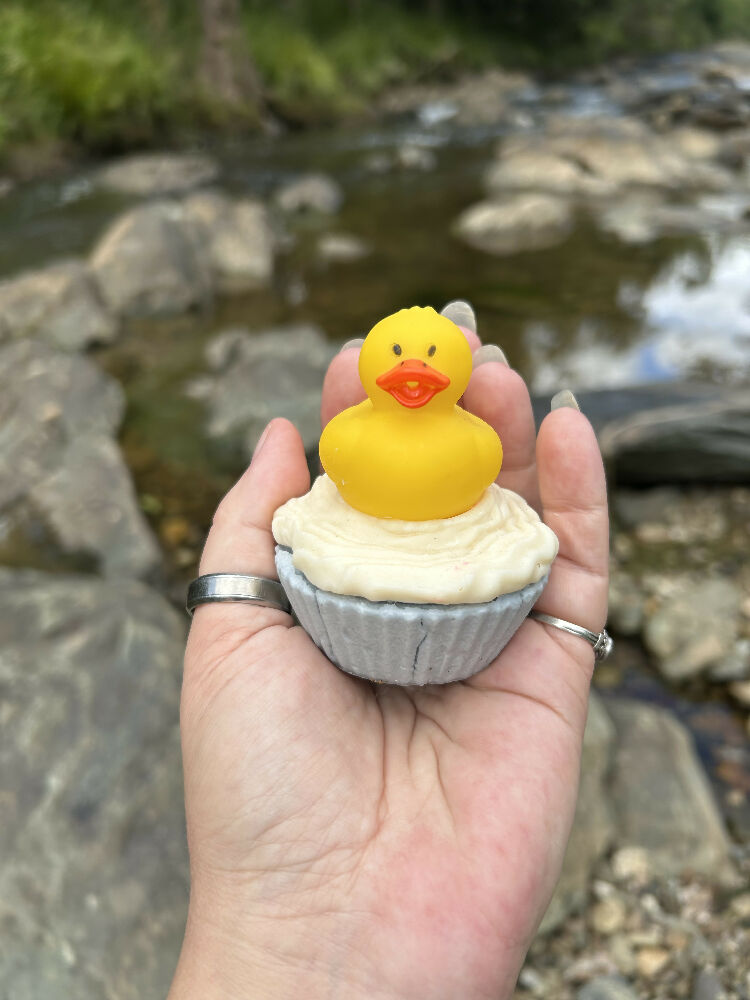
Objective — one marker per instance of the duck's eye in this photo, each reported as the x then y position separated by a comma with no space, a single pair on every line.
431,350
397,349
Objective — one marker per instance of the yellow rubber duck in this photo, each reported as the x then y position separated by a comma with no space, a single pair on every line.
408,451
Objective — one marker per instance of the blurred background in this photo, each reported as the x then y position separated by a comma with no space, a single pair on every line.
199,203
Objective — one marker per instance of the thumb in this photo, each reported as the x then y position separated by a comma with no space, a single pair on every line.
240,539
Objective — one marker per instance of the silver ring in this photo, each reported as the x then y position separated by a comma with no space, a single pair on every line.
602,642
230,587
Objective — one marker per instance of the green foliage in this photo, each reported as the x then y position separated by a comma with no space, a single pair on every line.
73,75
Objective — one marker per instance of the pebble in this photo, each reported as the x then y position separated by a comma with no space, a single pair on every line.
651,961
622,954
606,988
631,863
741,906
608,916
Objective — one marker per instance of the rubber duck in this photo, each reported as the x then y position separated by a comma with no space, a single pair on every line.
409,451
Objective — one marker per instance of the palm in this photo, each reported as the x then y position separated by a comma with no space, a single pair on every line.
435,819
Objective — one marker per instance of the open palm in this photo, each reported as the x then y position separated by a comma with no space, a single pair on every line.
350,839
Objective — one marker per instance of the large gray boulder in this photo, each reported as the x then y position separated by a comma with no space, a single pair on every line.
154,174
150,262
662,801
520,222
237,237
59,304
593,829
93,861
276,373
59,464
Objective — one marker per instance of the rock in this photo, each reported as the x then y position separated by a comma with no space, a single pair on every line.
641,217
6,186
706,440
651,961
543,170
608,916
59,414
59,304
523,222
151,263
412,157
341,248
631,864
237,237
662,802
707,986
626,599
276,373
606,988
311,193
592,828
601,155
154,174
93,861
694,627
740,691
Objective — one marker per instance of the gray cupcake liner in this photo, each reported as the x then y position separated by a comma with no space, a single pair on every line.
407,644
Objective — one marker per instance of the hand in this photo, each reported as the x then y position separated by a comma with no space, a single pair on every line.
357,840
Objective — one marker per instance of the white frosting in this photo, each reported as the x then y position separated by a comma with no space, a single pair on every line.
498,546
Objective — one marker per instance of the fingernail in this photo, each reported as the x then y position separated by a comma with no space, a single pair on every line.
461,313
261,441
488,352
564,398
356,342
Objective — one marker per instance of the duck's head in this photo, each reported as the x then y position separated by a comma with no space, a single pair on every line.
413,359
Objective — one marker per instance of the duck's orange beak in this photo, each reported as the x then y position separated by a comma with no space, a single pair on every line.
413,383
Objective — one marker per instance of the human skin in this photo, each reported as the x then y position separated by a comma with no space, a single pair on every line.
354,840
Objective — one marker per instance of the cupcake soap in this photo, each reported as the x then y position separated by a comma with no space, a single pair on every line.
406,563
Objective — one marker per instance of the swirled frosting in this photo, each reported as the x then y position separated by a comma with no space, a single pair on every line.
498,546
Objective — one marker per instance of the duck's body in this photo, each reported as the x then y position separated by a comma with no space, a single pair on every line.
409,452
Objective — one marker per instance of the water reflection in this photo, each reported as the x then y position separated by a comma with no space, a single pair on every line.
694,318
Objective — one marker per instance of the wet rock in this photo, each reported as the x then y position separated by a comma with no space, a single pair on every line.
58,459
59,304
543,170
478,99
150,263
6,186
412,157
341,248
153,174
662,802
593,826
523,222
694,627
93,861
237,237
703,440
274,373
311,193
607,988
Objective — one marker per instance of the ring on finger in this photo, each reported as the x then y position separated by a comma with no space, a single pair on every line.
234,588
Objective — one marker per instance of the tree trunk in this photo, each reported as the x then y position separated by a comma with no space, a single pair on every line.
227,67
